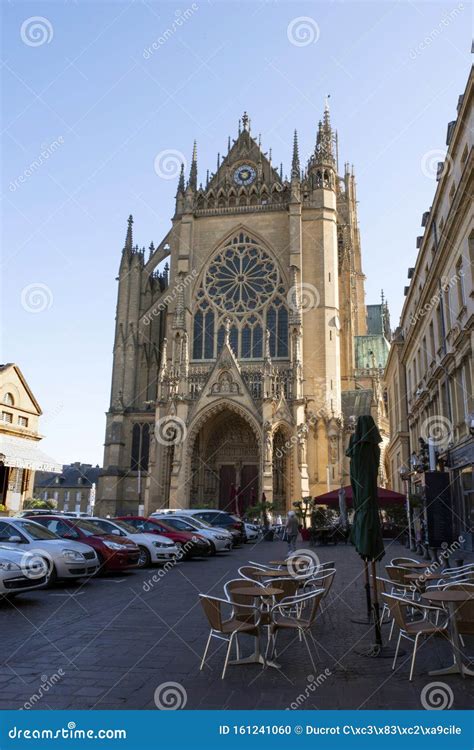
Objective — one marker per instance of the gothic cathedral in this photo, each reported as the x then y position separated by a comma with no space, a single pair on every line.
235,369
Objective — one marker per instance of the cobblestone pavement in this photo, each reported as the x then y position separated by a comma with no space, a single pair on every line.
109,643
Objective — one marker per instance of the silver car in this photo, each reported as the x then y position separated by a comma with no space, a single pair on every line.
20,572
65,558
219,539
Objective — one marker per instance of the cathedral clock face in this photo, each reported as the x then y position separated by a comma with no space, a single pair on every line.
244,174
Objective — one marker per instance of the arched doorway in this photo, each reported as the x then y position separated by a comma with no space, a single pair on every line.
225,459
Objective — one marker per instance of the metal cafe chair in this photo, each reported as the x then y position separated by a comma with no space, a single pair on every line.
322,580
413,630
402,560
295,613
248,572
228,629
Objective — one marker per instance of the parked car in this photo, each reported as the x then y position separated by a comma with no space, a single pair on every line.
219,539
253,532
114,554
21,572
189,544
153,548
219,518
66,559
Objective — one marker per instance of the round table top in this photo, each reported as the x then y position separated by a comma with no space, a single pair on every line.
413,565
257,591
290,560
267,573
423,576
448,595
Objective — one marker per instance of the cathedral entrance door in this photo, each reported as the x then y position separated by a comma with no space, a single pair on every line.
248,487
227,476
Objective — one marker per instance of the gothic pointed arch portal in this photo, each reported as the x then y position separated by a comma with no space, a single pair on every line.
225,462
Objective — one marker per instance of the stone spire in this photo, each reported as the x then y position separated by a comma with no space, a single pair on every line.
245,121
324,151
295,163
129,238
181,185
193,171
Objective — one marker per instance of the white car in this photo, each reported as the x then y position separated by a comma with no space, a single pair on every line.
253,532
20,572
219,539
66,558
154,548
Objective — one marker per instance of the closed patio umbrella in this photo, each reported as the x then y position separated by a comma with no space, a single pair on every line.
364,452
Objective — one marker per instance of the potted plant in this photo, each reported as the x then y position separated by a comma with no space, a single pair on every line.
3,510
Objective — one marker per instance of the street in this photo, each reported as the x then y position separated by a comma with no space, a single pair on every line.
112,642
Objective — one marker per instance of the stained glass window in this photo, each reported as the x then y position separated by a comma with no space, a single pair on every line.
242,283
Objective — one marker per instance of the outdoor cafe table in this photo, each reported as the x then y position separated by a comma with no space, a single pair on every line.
290,560
254,592
420,565
451,597
267,573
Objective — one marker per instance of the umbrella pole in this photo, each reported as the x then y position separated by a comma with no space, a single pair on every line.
378,632
367,590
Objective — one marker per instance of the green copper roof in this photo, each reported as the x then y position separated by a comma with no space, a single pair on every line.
371,351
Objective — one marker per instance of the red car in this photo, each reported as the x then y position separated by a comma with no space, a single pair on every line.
191,545
114,554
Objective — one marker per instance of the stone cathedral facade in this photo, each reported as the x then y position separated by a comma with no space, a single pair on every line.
231,364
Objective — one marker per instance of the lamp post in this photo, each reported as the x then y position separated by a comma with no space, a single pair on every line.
404,473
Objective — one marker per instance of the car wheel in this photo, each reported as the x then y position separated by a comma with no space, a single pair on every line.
144,559
53,574
101,569
213,548
181,555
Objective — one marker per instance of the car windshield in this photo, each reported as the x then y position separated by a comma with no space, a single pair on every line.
197,522
220,518
34,530
127,527
178,523
88,528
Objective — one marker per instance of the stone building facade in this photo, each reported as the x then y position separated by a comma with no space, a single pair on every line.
230,363
20,455
429,369
74,489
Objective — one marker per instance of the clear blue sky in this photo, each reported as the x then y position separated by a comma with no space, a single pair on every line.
102,110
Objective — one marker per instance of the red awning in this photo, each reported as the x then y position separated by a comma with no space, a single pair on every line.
385,497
